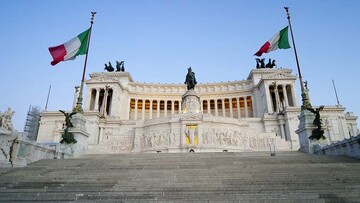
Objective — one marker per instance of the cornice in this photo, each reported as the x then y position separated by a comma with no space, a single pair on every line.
116,75
266,71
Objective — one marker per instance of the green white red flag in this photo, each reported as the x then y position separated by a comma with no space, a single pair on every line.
71,49
279,41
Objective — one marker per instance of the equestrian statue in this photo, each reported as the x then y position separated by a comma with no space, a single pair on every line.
190,80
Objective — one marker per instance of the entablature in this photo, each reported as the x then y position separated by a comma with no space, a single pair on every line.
205,88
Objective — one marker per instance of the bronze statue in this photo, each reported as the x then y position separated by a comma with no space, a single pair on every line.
318,133
120,66
190,80
270,64
68,116
67,136
260,63
306,84
109,67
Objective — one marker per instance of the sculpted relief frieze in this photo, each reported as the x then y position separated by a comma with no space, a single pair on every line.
160,138
119,144
242,140
211,137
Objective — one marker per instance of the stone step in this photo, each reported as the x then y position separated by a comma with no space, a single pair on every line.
171,195
198,177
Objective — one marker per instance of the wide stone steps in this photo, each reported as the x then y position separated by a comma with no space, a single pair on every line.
198,177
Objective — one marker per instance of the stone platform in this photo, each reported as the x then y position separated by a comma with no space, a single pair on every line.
193,177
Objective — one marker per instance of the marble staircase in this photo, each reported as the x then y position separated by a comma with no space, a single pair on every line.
194,177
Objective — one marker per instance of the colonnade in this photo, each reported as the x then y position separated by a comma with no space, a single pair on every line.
281,96
101,100
233,107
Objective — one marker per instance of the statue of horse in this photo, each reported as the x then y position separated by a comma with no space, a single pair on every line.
120,66
109,67
190,80
270,64
260,63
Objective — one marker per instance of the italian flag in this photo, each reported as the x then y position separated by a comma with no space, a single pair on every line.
279,41
71,49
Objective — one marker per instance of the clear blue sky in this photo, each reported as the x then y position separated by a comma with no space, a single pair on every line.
160,39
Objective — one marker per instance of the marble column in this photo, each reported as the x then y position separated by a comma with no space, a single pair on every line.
293,95
136,109
231,108
143,110
151,105
238,107
216,107
286,104
223,107
268,99
104,104
208,106
246,108
158,109
277,98
96,105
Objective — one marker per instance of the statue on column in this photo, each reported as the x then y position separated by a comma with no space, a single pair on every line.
190,79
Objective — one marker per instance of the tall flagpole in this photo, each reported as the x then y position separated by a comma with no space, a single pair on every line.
304,96
47,100
78,107
337,98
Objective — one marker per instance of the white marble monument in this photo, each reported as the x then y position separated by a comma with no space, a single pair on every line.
251,114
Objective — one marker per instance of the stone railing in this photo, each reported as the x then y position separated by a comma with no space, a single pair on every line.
29,152
347,147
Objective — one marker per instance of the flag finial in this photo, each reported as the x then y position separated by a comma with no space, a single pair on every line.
287,12
92,16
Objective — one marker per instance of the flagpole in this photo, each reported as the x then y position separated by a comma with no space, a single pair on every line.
337,98
78,107
304,96
47,100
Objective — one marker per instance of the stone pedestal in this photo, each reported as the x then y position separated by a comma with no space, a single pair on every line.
190,102
190,118
81,136
304,131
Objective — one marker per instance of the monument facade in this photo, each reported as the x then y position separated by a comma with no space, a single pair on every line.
124,116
